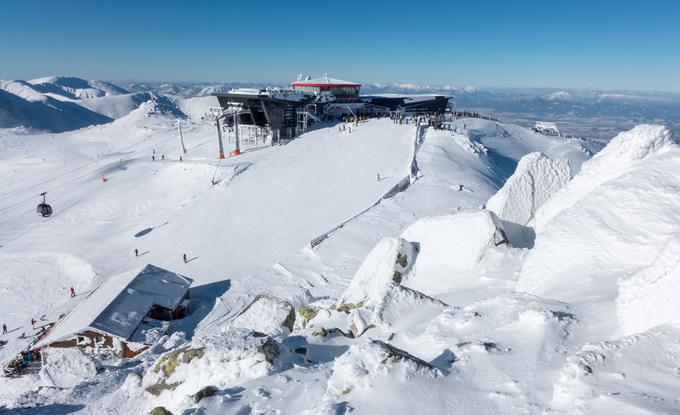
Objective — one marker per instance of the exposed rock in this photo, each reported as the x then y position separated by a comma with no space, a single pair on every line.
217,360
307,313
394,354
204,393
357,323
159,410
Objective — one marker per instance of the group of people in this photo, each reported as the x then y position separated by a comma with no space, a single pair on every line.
472,114
153,156
25,359
434,120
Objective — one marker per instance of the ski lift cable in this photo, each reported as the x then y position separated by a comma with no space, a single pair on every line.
95,162
35,226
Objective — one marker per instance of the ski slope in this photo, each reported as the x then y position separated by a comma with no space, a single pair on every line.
265,204
494,282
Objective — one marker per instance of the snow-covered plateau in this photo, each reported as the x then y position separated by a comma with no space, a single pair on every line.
479,269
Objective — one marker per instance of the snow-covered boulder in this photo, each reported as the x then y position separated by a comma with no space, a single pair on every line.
367,368
620,155
376,298
221,360
616,227
450,245
650,297
389,261
267,314
66,368
535,179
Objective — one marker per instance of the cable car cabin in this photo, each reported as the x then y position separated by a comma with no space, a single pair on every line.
44,210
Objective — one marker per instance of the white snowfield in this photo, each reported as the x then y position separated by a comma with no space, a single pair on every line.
512,276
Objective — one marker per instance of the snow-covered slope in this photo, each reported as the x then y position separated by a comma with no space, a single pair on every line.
75,88
23,106
613,218
412,299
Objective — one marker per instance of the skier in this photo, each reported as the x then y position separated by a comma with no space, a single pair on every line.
153,158
180,158
162,156
460,187
184,258
136,252
33,321
73,292
4,328
379,178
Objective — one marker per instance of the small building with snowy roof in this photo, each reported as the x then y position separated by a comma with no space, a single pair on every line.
125,314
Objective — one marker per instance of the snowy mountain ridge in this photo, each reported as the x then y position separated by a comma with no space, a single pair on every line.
514,273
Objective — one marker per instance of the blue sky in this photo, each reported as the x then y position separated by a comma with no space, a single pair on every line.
606,44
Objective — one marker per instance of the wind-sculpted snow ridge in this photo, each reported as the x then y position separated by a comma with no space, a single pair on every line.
614,218
536,178
621,155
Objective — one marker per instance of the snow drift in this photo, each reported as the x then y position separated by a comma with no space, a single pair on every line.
535,179
450,245
619,156
649,297
613,219
632,375
66,368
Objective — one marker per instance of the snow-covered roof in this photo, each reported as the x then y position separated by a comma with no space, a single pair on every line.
119,304
325,81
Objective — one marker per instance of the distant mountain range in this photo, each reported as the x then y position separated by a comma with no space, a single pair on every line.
58,104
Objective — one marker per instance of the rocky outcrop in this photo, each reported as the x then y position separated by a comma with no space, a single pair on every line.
267,314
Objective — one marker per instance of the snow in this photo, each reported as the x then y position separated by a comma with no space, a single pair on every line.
450,245
66,368
536,178
221,360
647,298
621,202
266,314
372,367
378,269
411,306
633,375
620,155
